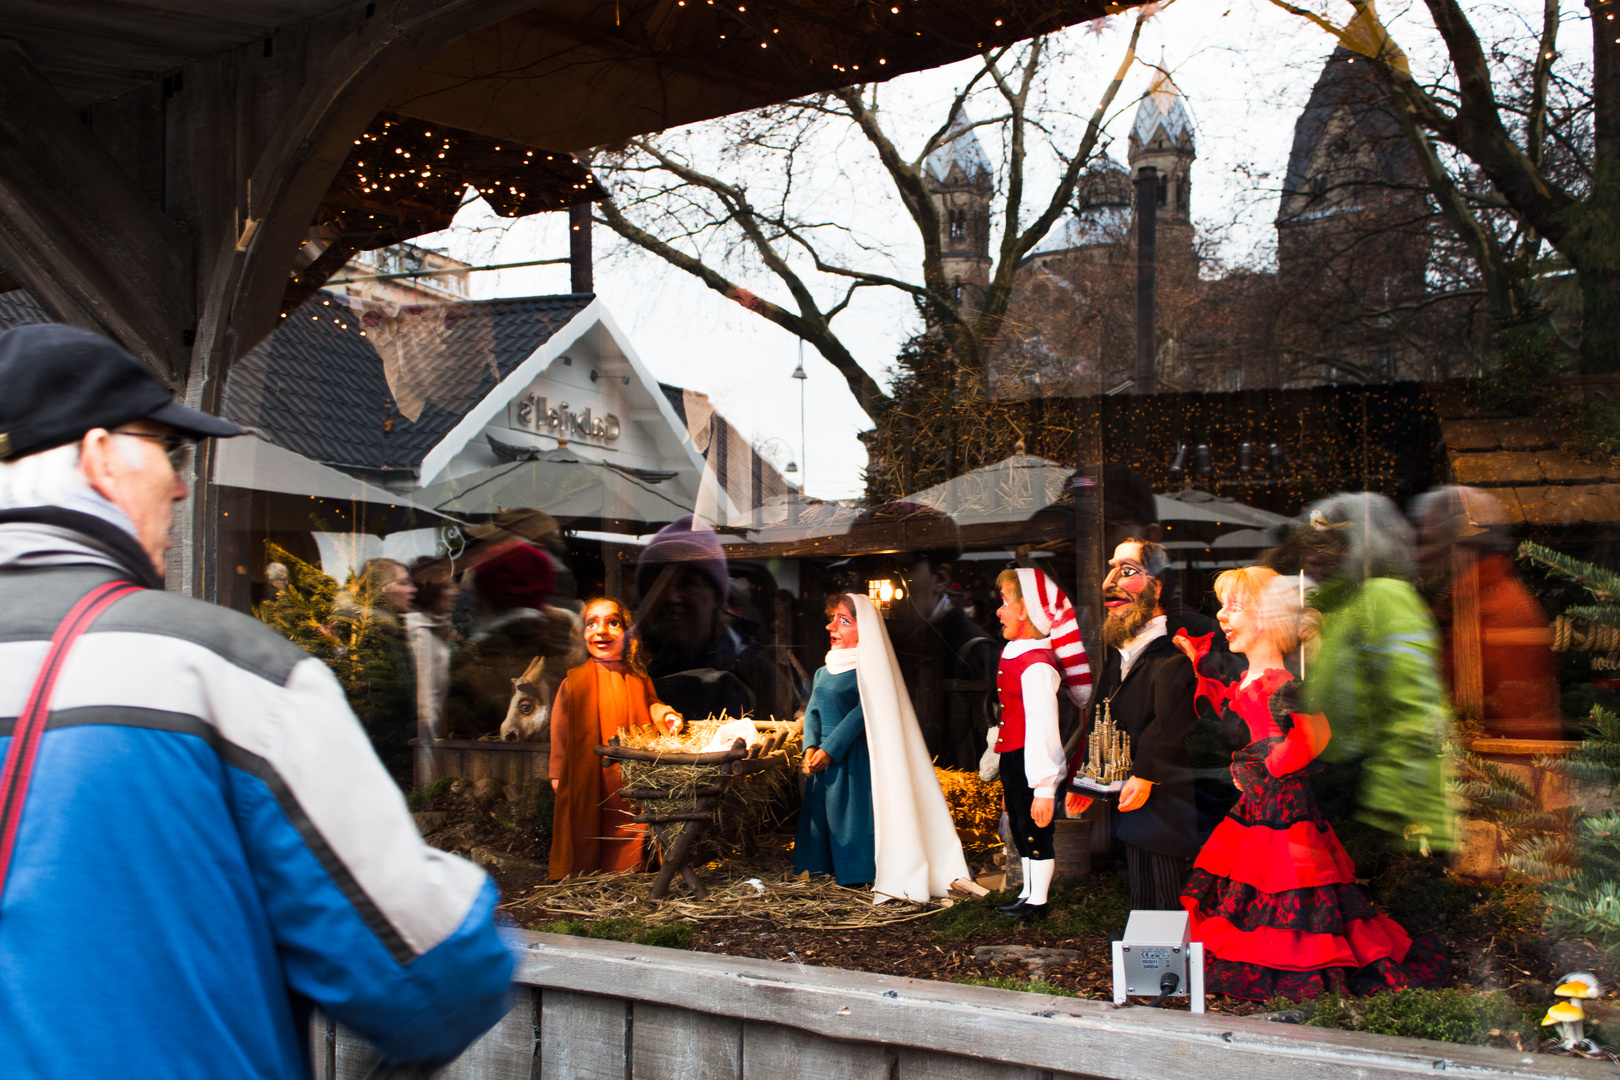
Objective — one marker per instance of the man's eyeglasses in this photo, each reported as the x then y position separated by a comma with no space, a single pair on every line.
177,447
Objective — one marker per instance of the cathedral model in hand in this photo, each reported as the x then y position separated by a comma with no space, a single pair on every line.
1108,757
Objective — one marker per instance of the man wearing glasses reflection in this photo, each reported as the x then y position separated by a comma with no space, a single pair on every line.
188,807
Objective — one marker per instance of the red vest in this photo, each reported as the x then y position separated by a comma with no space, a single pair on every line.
1010,685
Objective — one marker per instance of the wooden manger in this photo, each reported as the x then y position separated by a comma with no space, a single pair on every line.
690,806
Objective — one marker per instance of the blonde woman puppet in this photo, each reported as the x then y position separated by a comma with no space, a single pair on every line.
1273,895
873,809
609,693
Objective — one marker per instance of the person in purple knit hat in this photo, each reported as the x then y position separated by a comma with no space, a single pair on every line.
698,662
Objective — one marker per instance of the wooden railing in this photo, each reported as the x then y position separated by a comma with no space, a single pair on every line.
600,1010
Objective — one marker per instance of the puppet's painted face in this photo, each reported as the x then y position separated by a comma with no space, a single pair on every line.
1127,577
1130,594
604,631
842,629
1013,614
1240,623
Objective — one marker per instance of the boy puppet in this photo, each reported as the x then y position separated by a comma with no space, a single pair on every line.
1043,655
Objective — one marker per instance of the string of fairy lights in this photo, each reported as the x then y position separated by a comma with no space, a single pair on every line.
406,177
865,37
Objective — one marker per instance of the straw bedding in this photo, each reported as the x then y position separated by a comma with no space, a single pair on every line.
779,898
752,805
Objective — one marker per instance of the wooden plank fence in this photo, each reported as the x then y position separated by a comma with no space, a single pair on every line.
602,1010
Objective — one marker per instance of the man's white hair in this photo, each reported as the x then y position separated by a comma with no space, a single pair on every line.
48,478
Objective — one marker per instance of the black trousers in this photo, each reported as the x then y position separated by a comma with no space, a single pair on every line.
1156,880
1031,840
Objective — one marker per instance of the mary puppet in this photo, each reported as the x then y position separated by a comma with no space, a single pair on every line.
873,809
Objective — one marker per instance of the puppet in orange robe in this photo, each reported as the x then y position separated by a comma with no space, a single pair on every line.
609,693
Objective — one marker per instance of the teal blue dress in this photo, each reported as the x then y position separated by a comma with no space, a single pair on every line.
835,824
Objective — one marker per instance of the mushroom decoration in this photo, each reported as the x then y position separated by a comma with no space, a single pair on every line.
1567,1014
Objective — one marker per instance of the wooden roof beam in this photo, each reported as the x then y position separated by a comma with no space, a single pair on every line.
78,232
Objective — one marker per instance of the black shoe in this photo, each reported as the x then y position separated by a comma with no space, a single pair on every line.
1008,909
1026,912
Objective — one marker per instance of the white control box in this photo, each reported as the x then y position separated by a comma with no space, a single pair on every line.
1158,944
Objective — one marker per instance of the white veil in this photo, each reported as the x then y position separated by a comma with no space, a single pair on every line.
918,853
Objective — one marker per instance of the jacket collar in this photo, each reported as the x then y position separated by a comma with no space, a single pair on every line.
52,535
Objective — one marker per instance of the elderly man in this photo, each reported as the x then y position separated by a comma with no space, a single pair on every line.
197,844
1146,689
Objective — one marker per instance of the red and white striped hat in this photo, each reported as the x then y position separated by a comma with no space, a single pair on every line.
1049,609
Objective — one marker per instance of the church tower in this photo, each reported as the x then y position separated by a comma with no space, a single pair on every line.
961,182
1352,226
1162,138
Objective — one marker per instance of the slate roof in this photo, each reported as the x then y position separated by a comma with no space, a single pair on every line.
1348,82
961,149
18,308
1163,107
1519,459
318,386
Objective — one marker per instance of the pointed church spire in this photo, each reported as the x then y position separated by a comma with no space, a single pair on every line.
1163,116
960,150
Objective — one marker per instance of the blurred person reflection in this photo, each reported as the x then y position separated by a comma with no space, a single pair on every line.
528,525
431,639
698,662
947,659
1519,674
368,619
513,623
1376,674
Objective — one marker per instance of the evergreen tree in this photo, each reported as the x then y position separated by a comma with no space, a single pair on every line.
1573,852
362,643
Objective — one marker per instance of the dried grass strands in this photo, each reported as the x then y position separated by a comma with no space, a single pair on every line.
751,805
975,806
787,901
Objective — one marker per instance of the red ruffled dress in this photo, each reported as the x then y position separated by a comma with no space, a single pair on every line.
1272,895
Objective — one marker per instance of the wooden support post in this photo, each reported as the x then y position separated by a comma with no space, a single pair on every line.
675,859
1467,656
78,232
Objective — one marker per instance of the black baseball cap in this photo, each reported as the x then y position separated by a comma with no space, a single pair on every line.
58,382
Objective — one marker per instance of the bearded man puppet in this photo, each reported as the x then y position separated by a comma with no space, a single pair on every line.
1146,691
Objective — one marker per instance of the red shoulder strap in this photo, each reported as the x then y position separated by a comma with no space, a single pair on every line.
25,737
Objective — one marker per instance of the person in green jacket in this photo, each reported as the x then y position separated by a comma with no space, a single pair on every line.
1376,673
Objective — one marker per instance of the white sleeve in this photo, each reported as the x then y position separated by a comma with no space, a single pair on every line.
1043,749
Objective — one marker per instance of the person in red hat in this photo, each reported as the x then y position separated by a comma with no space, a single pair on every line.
515,622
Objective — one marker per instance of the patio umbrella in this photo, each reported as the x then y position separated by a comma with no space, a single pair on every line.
566,486
254,464
1012,489
1212,510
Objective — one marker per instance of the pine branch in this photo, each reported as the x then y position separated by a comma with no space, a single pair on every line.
1601,614
1601,583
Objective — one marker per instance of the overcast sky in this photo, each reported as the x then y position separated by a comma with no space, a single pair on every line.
1246,69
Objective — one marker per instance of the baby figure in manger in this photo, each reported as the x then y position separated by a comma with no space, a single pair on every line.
1273,895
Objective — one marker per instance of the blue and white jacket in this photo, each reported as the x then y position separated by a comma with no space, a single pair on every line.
210,846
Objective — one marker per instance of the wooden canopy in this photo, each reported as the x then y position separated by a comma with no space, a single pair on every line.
164,164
